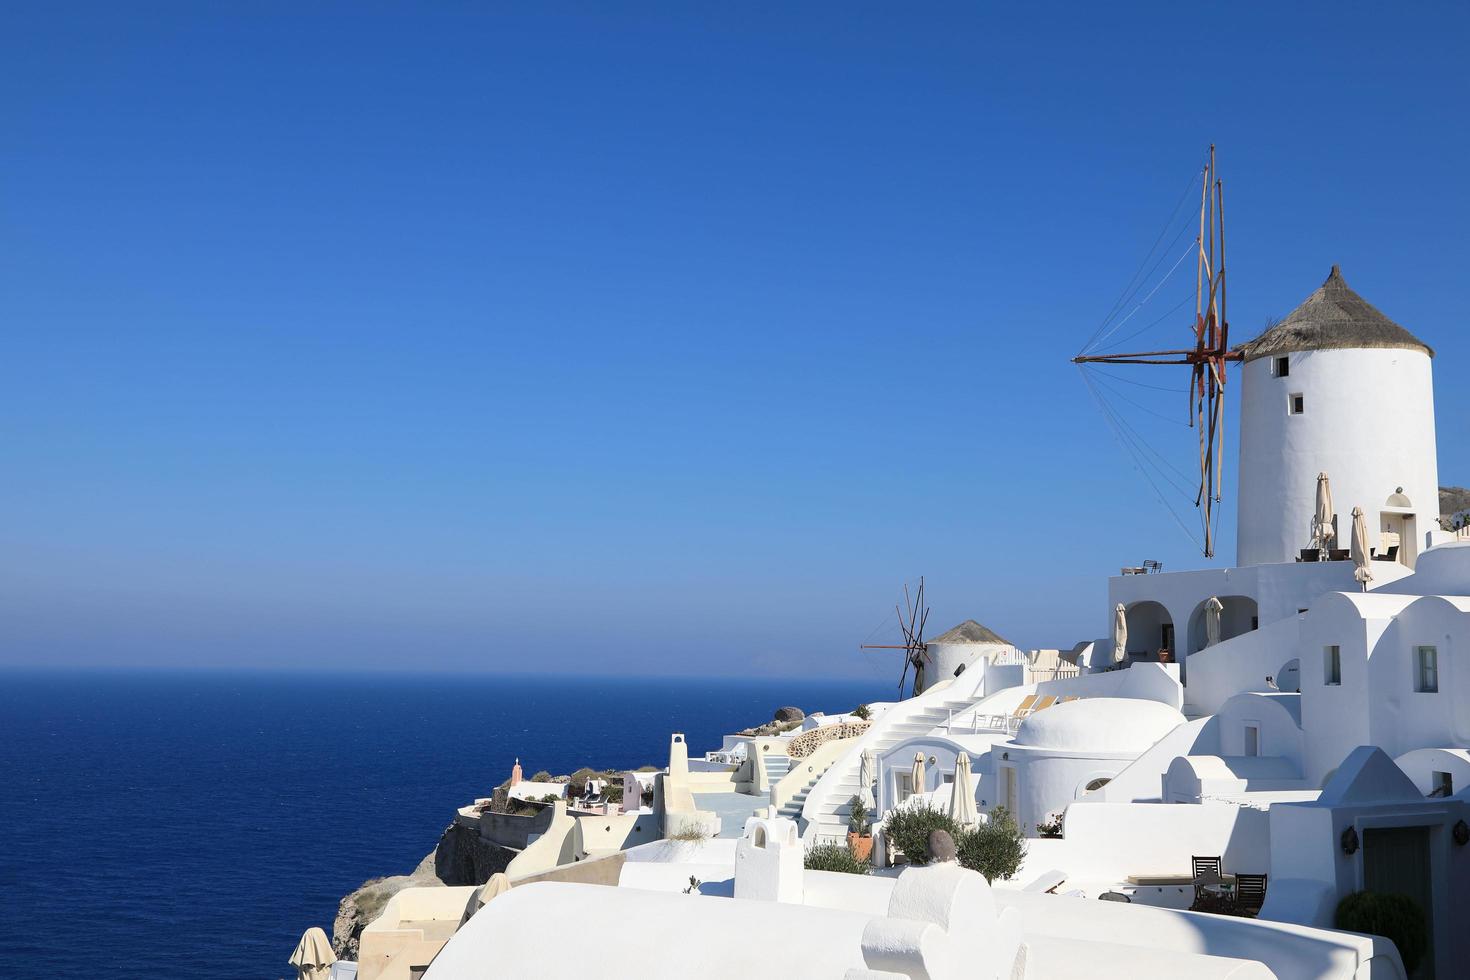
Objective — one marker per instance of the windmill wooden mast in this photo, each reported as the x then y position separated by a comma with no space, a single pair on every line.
912,616
1211,351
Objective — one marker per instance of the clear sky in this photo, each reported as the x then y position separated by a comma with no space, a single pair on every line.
645,338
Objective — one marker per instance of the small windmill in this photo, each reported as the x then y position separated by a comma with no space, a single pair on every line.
912,616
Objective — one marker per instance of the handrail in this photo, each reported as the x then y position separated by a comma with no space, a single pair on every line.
804,769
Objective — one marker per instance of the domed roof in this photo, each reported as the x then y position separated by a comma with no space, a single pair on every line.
1333,318
1099,725
970,632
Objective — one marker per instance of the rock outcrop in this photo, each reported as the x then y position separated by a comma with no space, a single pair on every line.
789,713
461,858
366,903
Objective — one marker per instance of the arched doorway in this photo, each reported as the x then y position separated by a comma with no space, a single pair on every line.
1150,629
1238,616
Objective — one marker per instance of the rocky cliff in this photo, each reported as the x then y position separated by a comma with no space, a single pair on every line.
461,858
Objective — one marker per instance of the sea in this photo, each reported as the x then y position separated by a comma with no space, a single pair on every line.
194,823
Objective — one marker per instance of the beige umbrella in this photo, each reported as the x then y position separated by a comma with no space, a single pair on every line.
498,884
313,958
1362,571
1322,530
918,773
866,777
1213,608
962,794
1120,633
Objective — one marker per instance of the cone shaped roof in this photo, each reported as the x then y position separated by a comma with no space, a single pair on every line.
1332,318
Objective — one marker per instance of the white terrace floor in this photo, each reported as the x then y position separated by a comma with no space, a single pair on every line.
733,809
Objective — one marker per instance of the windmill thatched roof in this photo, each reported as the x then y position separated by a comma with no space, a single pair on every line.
971,632
1332,318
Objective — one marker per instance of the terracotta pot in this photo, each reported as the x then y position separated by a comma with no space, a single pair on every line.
861,847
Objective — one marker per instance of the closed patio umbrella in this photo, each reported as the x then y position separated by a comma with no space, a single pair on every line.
918,773
313,958
962,794
1120,633
1213,608
1322,529
1362,571
867,774
498,884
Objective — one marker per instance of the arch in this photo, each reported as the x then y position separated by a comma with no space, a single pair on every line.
1150,627
758,838
1092,783
1398,499
1240,615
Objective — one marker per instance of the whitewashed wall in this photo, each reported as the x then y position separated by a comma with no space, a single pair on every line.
1368,423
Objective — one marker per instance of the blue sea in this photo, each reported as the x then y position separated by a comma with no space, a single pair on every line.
194,824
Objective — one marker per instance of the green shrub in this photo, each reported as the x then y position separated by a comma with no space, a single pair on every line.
1395,917
834,857
857,820
862,711
995,849
541,777
908,828
1051,826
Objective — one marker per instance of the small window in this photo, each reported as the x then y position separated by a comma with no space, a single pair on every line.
1097,784
1296,404
1332,674
1283,367
903,786
1252,740
1443,784
1426,670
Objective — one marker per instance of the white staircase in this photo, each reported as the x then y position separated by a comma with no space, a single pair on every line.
826,805
791,809
777,766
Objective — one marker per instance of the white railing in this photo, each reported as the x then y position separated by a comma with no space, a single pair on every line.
1010,657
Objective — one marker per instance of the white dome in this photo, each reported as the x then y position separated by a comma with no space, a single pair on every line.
1100,725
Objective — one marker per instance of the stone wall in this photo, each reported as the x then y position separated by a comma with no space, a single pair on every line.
806,743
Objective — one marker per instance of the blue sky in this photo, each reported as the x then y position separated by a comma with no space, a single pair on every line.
646,338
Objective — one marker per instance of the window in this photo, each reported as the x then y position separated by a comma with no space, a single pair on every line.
1097,784
1332,664
903,786
1443,783
1296,404
1283,367
1252,740
1426,670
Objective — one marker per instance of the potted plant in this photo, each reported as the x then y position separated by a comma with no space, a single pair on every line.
1050,827
859,834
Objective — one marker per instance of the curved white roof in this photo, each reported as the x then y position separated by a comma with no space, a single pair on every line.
1100,725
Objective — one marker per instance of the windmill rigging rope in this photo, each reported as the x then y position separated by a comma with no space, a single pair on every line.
1154,323
1139,461
1131,288
1191,250
1144,408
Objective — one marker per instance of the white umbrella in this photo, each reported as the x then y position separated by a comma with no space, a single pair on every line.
1362,571
1120,633
962,794
918,774
1213,608
1322,530
313,958
866,777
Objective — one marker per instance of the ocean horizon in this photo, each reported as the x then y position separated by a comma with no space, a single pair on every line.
199,820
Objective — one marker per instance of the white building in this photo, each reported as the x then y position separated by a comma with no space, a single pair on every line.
1317,734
